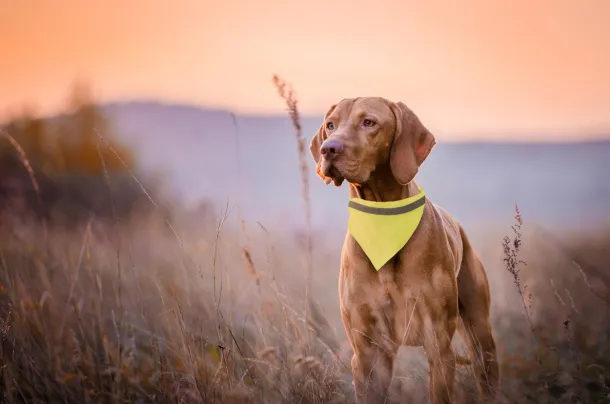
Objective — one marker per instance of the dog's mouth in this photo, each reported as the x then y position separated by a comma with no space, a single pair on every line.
331,171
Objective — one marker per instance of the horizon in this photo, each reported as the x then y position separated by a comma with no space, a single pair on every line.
588,136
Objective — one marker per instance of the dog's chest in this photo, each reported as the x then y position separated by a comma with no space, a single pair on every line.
387,300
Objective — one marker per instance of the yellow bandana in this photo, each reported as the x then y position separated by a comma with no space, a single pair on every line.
383,228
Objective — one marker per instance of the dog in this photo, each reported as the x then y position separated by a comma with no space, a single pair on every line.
433,286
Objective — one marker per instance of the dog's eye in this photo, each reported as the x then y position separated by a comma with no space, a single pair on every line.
368,123
330,126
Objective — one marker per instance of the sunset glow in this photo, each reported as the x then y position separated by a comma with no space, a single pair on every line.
468,68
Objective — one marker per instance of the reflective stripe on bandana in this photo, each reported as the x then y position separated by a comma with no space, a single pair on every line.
383,228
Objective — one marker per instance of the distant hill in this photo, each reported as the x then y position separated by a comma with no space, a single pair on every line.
205,156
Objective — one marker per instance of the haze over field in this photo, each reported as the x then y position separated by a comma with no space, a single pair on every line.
256,166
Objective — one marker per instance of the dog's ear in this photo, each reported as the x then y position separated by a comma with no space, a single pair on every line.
412,144
316,144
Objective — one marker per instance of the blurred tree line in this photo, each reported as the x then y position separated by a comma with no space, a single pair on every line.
76,172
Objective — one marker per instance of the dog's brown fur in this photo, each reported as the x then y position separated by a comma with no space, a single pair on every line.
419,297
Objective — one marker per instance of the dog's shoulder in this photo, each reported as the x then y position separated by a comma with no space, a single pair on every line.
450,224
452,230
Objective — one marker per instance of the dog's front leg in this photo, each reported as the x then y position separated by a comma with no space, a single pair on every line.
372,368
441,362
373,360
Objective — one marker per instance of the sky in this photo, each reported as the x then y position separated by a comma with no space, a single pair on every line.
466,67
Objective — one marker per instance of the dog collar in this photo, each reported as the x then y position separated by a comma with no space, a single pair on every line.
382,229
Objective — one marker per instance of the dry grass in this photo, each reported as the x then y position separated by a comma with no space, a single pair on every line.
130,312
286,92
567,319
23,159
81,323
76,328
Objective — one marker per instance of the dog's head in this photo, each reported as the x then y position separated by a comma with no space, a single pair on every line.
360,134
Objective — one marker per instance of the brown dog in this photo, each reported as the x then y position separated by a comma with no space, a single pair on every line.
420,295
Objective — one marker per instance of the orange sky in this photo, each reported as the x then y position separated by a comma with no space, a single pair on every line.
465,66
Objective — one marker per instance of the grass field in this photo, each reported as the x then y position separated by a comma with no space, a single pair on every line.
131,312
205,307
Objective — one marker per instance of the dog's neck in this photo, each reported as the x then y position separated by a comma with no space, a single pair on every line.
383,187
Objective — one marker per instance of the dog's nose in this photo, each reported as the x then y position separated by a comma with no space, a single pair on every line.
331,147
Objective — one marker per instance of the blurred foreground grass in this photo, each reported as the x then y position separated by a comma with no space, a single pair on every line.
106,313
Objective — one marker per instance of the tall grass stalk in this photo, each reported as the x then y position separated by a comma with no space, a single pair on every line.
512,264
286,92
23,158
